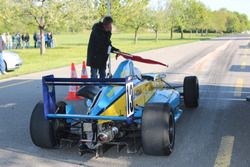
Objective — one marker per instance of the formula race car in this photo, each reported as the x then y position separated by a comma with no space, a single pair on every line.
130,110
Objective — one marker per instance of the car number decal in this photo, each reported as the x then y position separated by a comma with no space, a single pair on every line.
130,98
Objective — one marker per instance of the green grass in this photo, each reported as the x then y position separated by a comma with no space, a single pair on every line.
72,48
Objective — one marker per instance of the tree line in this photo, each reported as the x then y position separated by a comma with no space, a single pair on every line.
183,16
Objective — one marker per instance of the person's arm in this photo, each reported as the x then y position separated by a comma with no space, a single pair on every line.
114,49
107,42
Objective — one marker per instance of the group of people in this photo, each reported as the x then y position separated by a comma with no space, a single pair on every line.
21,41
48,38
16,41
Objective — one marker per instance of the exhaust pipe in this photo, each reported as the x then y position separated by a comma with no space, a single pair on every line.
107,135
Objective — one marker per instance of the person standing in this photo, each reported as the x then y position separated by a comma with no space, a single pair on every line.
99,42
18,41
50,39
46,39
9,39
27,40
38,38
35,39
2,64
13,41
4,38
23,40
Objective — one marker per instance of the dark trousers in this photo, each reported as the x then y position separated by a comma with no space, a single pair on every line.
101,71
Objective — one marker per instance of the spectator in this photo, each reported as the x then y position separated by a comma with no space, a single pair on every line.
23,40
52,43
13,41
49,39
38,37
2,64
9,41
27,40
99,42
18,41
4,40
46,38
35,39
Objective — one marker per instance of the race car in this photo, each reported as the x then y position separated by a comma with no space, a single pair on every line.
130,109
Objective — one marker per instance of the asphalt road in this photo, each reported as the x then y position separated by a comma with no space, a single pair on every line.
215,134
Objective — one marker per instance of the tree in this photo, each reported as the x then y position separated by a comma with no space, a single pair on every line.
175,13
135,16
84,19
48,14
156,21
118,10
232,23
243,21
8,17
197,15
219,20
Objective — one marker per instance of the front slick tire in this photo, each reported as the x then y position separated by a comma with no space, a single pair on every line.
158,129
41,130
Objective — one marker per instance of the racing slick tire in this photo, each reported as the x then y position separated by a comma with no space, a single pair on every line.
41,130
158,129
191,91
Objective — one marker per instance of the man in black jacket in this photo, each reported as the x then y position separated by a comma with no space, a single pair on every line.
99,43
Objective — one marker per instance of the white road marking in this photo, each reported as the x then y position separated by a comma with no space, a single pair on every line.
8,105
15,84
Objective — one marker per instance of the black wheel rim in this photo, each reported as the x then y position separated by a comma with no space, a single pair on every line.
60,125
171,130
197,89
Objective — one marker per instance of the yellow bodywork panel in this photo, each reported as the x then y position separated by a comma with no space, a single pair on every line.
142,93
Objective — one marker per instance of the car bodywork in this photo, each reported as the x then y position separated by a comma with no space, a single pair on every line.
12,60
111,100
116,111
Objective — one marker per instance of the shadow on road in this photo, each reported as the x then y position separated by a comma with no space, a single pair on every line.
239,68
245,46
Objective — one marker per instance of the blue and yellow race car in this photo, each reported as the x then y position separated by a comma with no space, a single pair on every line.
130,109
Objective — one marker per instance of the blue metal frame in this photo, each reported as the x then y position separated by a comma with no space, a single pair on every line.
49,97
86,117
85,81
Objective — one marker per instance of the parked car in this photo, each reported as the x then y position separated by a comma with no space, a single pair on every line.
12,60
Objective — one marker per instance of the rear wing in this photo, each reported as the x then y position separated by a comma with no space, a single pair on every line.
49,96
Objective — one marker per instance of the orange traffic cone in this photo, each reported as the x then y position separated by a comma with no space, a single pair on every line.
84,70
73,89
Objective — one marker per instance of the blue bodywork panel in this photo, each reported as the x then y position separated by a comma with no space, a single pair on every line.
110,94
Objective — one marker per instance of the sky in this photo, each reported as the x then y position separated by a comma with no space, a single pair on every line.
242,6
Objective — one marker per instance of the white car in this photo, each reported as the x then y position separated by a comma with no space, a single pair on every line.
12,60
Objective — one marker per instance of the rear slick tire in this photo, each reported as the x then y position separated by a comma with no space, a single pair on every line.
41,130
158,129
